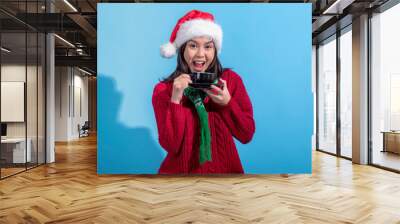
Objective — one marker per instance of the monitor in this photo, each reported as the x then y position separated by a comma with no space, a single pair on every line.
3,129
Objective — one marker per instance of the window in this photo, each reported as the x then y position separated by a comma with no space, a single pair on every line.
346,92
385,88
327,95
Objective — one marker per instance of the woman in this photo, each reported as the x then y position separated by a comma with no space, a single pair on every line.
196,127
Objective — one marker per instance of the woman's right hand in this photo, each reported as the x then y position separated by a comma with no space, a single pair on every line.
180,84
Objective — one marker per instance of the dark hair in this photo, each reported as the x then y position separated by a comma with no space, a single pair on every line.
183,67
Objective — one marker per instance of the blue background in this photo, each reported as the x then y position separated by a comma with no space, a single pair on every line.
269,45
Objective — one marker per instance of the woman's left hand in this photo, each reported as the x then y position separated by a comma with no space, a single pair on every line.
220,96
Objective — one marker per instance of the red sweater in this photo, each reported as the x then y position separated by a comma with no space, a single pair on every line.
179,130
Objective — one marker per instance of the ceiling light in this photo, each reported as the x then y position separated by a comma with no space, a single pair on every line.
5,50
84,71
70,5
65,41
337,7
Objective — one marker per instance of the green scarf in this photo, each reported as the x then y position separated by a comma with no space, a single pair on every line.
197,96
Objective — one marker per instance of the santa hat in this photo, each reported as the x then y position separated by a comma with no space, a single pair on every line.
194,24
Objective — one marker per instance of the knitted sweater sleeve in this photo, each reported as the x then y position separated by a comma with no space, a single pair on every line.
170,118
238,113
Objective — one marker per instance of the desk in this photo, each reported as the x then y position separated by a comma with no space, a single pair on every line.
16,148
391,141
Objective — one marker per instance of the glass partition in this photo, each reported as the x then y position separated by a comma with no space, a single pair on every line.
22,77
14,153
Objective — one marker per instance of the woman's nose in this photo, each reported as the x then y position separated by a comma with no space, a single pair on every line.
200,52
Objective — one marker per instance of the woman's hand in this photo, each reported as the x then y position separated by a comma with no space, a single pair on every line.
180,84
220,96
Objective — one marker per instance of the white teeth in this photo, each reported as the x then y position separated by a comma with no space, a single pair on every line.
199,62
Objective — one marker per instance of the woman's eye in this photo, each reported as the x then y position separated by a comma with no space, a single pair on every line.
192,45
208,46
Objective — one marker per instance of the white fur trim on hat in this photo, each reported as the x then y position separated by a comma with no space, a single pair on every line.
168,50
197,28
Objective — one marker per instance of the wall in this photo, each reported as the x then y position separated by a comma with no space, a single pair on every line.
9,73
92,86
33,127
71,102
17,73
314,90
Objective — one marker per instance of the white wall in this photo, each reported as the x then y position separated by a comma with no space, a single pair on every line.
80,110
314,91
12,73
62,81
33,127
71,94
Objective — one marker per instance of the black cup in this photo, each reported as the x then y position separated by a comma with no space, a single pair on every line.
202,80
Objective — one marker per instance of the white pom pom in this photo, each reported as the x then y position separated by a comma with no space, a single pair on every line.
167,50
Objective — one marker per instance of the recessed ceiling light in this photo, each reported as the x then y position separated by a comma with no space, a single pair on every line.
5,50
70,5
337,7
64,40
84,71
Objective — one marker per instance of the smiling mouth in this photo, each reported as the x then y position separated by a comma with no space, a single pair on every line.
198,66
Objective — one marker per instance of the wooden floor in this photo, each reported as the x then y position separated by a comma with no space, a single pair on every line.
5,172
387,159
70,191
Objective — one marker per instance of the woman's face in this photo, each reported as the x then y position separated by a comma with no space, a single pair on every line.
199,53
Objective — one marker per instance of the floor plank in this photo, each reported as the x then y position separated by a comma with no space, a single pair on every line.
70,191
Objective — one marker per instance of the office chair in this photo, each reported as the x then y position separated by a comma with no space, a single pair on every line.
84,130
